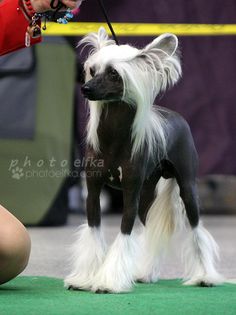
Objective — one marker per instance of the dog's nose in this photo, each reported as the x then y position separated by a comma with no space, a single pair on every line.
85,89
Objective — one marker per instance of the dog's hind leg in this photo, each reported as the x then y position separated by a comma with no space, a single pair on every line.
88,251
117,272
201,251
147,196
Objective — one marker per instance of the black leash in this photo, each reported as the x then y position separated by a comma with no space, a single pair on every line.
60,5
100,2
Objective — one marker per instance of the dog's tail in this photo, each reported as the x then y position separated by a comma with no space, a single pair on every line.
164,218
166,214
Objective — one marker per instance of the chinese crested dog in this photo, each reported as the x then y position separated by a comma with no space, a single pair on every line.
149,153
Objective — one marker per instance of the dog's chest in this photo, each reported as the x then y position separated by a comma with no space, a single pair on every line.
115,125
114,176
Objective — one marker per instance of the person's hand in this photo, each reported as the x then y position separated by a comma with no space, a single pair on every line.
44,5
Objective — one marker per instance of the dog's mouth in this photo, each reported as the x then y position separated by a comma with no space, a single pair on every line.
89,94
96,97
89,97
92,97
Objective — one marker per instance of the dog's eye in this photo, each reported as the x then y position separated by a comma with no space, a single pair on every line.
113,74
92,72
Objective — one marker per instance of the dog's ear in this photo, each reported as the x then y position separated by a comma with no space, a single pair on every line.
97,40
163,51
166,43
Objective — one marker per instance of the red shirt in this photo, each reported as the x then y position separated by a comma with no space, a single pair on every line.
13,26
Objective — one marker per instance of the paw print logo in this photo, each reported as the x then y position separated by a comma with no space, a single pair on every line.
17,173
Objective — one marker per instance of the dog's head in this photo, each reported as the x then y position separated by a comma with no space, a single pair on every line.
126,73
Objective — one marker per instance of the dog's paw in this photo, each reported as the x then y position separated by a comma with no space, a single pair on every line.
205,284
106,288
205,281
199,283
102,289
99,291
147,278
77,283
73,288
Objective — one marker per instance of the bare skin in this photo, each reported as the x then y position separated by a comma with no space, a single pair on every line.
15,246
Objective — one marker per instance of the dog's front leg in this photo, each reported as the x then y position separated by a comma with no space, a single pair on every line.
89,248
117,272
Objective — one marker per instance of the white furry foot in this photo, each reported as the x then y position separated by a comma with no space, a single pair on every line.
87,257
205,281
116,273
201,253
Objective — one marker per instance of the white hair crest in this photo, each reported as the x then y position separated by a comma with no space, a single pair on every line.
145,73
97,40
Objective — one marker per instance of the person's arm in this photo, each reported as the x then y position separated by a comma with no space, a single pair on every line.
14,23
15,246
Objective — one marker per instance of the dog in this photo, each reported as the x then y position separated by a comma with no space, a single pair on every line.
149,153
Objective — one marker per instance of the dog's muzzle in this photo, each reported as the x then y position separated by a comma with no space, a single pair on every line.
86,90
91,93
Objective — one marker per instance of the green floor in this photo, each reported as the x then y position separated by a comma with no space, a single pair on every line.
46,296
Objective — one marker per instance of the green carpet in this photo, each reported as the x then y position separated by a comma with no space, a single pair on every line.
46,296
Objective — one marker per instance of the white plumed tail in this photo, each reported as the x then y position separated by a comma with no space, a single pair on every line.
164,218
167,216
